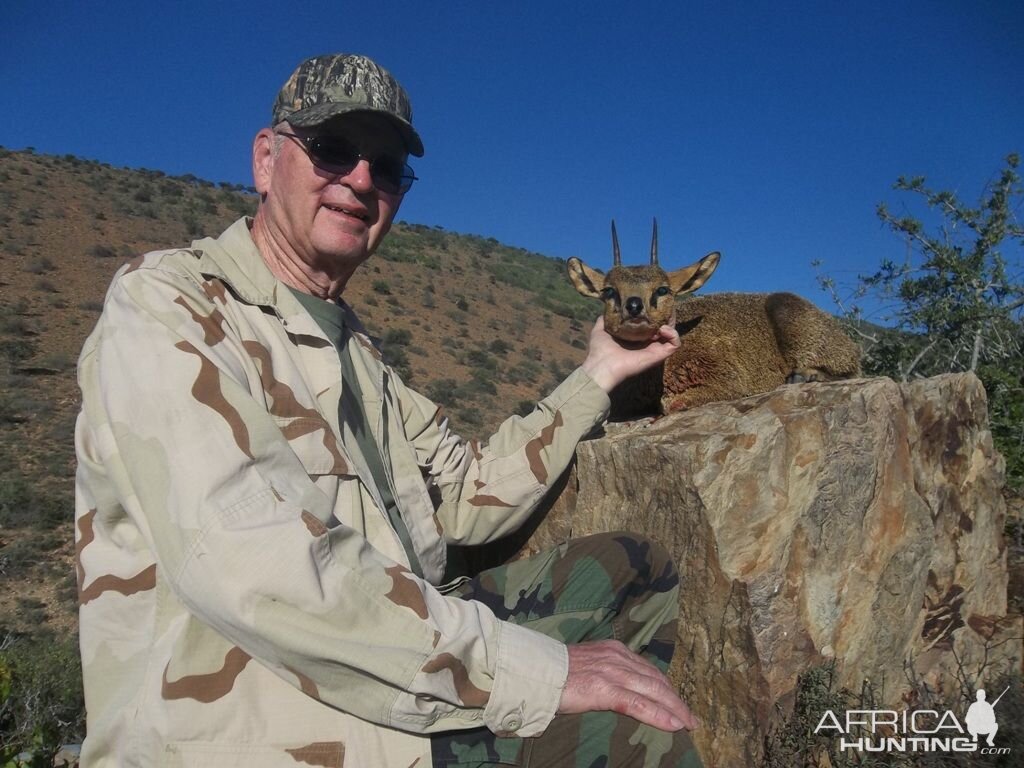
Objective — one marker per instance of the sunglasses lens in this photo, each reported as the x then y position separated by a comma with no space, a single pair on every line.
338,155
404,177
387,173
333,153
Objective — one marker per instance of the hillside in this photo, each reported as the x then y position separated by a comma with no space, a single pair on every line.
483,328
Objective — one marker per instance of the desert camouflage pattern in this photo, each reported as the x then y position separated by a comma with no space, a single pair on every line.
243,599
323,87
611,585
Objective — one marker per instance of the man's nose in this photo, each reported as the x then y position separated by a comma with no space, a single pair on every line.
359,178
634,306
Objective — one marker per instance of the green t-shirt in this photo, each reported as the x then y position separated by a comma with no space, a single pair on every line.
356,436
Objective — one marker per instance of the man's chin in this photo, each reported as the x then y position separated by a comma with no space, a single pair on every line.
342,244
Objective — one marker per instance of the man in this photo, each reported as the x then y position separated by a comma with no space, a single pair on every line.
263,507
981,718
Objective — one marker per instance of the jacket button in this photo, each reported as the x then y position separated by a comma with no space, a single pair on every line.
512,723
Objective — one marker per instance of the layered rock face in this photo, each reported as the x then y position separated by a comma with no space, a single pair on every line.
858,521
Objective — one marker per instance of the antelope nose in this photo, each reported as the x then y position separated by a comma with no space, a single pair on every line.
634,306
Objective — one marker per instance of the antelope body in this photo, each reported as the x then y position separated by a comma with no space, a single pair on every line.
733,345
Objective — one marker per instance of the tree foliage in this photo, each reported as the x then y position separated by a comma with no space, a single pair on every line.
956,302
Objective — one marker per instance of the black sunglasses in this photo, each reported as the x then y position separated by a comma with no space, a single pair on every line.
336,154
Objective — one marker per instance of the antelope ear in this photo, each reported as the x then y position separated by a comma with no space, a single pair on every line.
587,281
689,279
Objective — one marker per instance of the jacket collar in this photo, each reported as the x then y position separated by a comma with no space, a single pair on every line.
234,258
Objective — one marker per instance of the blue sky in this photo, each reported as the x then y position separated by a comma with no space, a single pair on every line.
768,131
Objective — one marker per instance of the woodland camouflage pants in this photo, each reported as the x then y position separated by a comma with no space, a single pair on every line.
609,586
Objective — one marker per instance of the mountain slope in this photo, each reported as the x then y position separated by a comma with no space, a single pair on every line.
483,328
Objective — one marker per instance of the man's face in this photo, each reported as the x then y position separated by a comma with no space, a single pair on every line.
329,221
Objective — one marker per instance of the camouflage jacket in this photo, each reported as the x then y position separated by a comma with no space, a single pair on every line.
243,599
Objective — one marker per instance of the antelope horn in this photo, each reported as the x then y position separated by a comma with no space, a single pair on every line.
654,244
616,256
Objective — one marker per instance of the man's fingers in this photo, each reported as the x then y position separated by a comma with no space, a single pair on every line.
606,675
658,694
670,334
652,713
660,709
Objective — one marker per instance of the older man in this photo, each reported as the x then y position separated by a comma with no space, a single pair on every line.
264,508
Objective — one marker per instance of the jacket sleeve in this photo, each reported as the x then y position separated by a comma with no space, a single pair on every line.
487,490
171,394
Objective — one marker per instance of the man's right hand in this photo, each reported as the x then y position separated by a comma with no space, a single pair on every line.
606,675
609,363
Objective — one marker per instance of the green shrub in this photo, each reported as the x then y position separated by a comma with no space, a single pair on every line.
40,266
29,504
18,403
442,392
14,324
41,702
527,372
469,416
398,336
397,358
478,358
57,361
16,350
500,347
479,384
193,227
525,407
242,205
102,251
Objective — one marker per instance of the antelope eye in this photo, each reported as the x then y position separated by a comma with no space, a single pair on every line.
662,291
609,293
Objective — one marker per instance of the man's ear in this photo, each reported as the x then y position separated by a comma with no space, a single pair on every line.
588,282
263,160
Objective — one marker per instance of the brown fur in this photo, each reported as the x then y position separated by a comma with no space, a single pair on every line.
733,345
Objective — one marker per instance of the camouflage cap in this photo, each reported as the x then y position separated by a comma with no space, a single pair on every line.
327,86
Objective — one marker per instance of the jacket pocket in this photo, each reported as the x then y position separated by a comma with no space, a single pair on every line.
314,443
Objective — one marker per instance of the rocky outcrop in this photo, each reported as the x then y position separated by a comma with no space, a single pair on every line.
859,522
